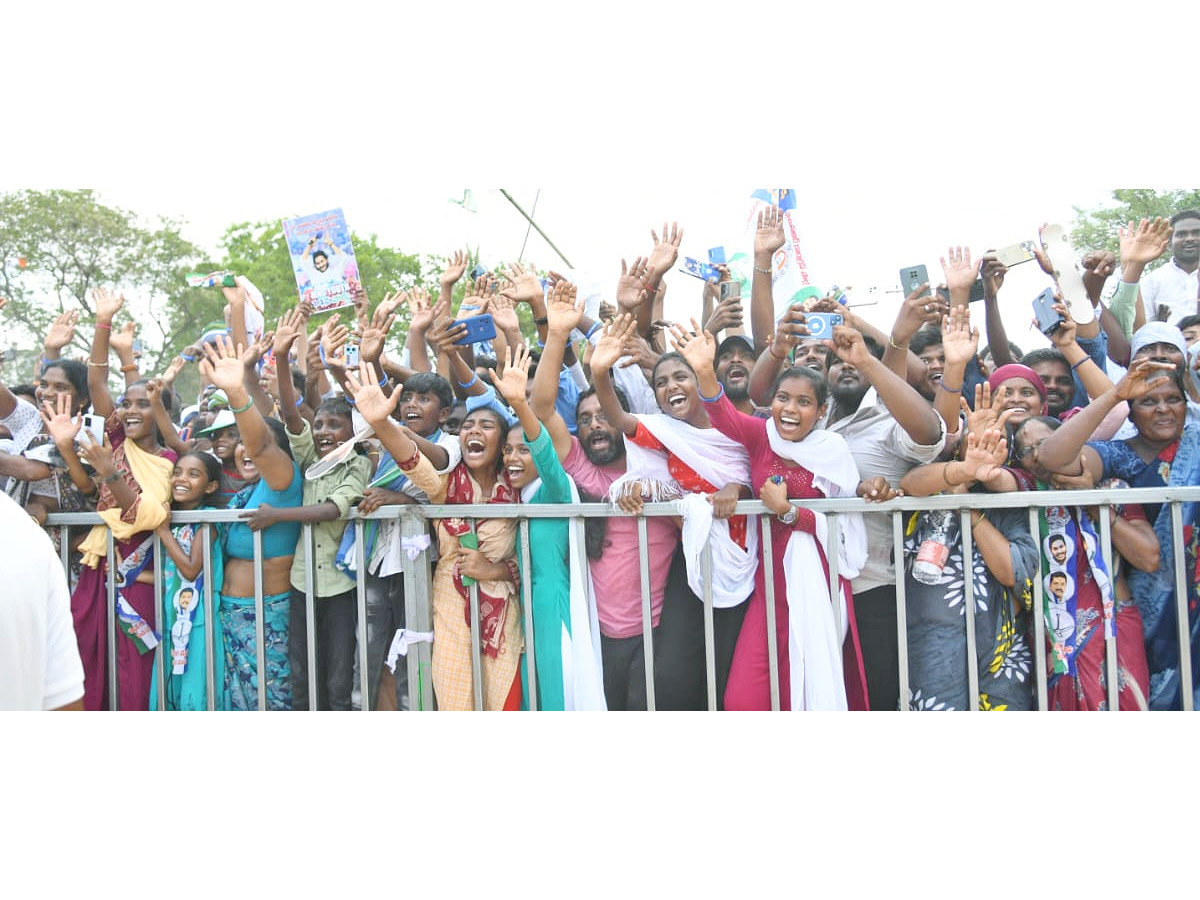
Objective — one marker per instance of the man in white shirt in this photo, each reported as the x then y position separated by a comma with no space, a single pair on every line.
39,657
1170,292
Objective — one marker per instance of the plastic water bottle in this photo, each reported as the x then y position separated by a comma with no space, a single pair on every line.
938,534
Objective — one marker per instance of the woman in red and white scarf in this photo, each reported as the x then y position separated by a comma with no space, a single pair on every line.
677,454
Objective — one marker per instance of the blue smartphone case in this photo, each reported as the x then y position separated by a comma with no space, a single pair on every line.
479,328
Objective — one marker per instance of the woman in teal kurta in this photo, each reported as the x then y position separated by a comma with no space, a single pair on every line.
563,659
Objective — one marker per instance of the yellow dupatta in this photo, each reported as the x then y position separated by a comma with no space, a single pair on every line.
153,475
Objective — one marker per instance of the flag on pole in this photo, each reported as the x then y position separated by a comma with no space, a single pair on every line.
789,271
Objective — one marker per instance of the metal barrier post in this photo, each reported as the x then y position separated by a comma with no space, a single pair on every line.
710,640
1110,643
310,614
767,563
835,581
111,597
901,609
527,603
360,584
647,615
160,613
1039,618
968,557
210,622
259,621
1186,690
476,650
418,613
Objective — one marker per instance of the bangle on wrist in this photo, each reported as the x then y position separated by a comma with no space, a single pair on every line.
109,479
242,409
468,384
777,356
895,346
1080,363
762,271
949,390
105,325
130,367
186,358
596,326
720,393
544,320
98,365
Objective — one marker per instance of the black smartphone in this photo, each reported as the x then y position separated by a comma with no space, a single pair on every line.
1047,319
912,277
976,292
478,272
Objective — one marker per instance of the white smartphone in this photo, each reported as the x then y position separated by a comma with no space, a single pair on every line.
95,426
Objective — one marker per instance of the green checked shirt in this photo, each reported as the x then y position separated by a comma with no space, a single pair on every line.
342,487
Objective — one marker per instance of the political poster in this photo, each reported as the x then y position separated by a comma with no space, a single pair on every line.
322,259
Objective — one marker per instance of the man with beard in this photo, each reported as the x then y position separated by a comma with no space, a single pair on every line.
735,360
1054,370
1169,292
595,458
900,431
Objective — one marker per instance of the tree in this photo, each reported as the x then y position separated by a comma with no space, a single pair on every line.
1096,229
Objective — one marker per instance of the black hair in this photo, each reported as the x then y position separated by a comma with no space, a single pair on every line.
873,347
667,357
504,427
430,383
1044,354
814,378
1188,322
1057,538
317,253
339,406
25,390
1184,214
281,435
76,373
929,336
212,468
1013,350
1049,421
622,398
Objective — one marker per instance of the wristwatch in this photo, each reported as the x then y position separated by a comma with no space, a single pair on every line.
789,517
109,479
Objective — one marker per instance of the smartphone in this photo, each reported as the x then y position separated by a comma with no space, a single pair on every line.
470,540
352,356
1015,254
697,269
976,292
479,328
1047,319
478,272
730,290
716,256
95,425
820,325
137,345
911,278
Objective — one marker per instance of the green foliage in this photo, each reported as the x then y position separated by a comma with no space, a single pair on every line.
1096,229
57,246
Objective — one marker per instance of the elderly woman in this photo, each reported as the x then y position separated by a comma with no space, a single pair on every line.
1165,452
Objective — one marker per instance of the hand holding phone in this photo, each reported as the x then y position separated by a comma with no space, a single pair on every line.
821,325
912,277
1048,321
479,328
703,271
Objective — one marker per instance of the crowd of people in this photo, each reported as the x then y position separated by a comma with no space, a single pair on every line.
629,408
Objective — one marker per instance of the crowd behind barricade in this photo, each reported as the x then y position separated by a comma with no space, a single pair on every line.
628,409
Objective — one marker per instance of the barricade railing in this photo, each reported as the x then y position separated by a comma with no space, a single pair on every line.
414,521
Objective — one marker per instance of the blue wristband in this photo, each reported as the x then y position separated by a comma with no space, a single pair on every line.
596,326
468,384
187,358
1080,363
720,394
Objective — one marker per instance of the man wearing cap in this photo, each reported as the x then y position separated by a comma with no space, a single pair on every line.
735,360
224,435
1165,343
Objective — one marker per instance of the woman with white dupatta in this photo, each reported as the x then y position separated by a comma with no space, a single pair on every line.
678,454
818,667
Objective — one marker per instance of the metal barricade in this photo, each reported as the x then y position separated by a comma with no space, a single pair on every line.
417,575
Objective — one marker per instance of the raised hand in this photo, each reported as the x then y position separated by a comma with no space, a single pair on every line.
919,307
959,270
62,330
375,333
504,315
333,343
60,425
523,285
222,363
640,354
288,329
985,453
1064,334
107,304
993,272
1097,266
96,455
613,339
631,286
369,399
665,251
392,301
849,346
444,333
726,314
512,382
1143,376
456,265
959,340
989,411
768,236
1146,242
697,346
154,390
563,310
422,311
121,341
168,377
789,331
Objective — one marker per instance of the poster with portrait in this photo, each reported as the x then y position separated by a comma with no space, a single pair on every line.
322,259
